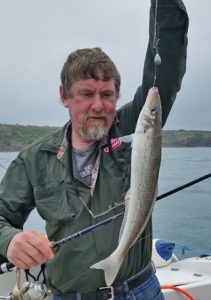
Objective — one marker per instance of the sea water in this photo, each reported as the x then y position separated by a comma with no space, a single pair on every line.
184,217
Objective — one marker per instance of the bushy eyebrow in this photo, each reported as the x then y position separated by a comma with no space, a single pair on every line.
104,90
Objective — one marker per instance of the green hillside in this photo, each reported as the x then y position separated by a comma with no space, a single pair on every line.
186,138
16,137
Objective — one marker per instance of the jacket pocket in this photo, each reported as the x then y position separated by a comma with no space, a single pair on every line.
52,202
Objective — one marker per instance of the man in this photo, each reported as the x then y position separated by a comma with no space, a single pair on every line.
76,175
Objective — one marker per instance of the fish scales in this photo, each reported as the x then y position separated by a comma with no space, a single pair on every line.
140,199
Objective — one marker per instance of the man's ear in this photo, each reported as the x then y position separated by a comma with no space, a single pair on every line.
62,96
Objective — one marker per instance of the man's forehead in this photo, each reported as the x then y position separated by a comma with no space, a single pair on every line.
91,83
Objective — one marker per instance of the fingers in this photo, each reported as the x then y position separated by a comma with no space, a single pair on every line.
28,249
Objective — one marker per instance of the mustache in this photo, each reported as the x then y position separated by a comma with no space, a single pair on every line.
94,115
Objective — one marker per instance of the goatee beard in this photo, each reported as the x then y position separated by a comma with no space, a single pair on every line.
94,133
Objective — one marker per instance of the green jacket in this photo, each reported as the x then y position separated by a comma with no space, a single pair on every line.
39,176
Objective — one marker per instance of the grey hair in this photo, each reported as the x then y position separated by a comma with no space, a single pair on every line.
88,63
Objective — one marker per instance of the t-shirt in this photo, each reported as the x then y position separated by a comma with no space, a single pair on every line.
85,159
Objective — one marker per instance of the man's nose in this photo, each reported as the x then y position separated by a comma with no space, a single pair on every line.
97,104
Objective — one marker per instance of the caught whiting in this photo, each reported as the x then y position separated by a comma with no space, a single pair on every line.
140,199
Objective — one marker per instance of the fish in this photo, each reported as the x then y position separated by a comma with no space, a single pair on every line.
141,196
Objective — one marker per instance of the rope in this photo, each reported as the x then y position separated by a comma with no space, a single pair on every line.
185,248
172,287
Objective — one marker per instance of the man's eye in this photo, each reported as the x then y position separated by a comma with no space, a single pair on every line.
108,95
87,94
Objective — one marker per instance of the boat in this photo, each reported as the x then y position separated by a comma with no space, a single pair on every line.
186,279
180,279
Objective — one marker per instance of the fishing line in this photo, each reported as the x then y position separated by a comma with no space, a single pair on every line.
155,26
8,266
74,182
3,166
157,58
114,217
143,238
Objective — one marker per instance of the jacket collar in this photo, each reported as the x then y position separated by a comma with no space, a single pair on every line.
57,142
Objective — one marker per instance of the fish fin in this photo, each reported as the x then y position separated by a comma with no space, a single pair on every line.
111,266
127,200
127,138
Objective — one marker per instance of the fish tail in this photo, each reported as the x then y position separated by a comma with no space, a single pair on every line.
111,266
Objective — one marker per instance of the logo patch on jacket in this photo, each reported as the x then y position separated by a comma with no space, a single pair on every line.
115,143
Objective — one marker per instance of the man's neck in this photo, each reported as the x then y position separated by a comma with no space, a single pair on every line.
79,143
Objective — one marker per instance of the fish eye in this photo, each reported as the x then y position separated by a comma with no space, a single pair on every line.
153,111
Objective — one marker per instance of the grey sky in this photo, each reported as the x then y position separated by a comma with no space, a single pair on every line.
36,37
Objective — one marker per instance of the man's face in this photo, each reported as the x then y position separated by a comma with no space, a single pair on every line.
91,106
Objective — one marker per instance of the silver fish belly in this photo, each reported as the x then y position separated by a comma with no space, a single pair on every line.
140,199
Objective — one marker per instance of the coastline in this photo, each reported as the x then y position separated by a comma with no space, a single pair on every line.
15,138
18,149
11,149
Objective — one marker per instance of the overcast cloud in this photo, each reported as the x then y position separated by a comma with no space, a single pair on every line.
36,37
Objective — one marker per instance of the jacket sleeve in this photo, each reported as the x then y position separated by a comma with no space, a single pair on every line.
172,27
16,202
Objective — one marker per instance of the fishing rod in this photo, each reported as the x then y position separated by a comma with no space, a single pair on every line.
6,267
182,187
117,216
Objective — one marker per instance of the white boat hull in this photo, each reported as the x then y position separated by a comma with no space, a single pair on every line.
192,275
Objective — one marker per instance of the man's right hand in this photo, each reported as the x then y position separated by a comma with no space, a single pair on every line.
28,249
